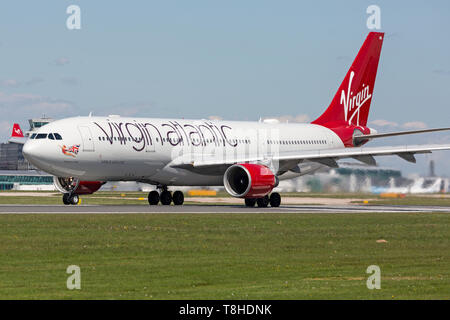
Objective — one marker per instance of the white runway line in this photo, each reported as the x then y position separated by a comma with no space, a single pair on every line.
210,209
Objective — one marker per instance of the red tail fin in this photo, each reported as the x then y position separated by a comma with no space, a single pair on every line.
351,104
16,131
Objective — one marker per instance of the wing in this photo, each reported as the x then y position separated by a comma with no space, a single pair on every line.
211,165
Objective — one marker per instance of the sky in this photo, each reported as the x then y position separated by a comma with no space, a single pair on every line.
234,60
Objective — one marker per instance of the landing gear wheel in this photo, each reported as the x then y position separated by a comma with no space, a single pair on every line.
165,198
250,202
275,199
178,198
153,198
263,202
74,199
66,199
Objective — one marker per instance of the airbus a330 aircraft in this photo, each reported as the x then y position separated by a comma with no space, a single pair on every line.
247,158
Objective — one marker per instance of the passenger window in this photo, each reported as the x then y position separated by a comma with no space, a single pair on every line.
51,137
57,136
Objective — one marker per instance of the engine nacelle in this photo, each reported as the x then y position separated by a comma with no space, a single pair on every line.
249,180
75,186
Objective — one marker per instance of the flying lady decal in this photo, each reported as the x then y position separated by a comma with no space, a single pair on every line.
70,151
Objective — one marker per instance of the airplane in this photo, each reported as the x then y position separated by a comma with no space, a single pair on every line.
247,158
17,135
418,186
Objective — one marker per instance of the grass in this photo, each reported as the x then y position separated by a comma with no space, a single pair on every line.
225,256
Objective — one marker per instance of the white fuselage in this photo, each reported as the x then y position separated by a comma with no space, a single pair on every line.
143,149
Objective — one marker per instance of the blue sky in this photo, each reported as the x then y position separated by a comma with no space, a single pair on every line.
238,60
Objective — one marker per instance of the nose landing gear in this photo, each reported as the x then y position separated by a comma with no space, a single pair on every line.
69,198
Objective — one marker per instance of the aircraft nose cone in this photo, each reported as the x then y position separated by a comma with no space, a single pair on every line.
32,151
27,150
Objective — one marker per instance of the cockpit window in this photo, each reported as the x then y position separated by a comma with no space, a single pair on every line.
33,136
41,136
50,136
57,136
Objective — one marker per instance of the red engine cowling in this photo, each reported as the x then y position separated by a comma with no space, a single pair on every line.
75,186
249,180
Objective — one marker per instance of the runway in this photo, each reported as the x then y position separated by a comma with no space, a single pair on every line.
212,209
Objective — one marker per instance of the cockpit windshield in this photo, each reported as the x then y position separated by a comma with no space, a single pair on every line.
41,136
51,136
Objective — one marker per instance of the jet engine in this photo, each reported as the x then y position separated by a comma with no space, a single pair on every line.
249,180
75,186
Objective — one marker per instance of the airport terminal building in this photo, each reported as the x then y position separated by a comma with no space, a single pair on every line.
11,157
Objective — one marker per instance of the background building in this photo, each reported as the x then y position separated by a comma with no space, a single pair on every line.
25,180
11,157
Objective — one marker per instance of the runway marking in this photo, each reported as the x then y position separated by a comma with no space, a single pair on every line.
209,209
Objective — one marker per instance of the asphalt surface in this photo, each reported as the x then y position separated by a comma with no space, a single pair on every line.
125,209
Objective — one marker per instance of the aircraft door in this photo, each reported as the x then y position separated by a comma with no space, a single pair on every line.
86,136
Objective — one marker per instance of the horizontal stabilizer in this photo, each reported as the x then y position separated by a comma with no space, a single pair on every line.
360,138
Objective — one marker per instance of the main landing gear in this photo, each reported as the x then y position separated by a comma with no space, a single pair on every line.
274,200
165,197
70,199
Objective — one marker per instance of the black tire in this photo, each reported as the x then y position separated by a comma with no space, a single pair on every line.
250,202
153,198
178,198
263,202
275,200
66,199
74,199
166,198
